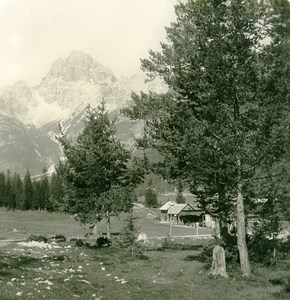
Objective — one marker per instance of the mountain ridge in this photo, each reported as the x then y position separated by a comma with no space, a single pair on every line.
61,97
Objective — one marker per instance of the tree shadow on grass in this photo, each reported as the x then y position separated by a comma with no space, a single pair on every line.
11,264
193,258
284,283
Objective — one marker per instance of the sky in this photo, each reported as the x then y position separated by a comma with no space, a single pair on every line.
117,33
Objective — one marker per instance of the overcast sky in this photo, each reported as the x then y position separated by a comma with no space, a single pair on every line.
117,33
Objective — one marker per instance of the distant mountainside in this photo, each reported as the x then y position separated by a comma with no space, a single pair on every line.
30,116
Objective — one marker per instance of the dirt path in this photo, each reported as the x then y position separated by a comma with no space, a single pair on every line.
7,242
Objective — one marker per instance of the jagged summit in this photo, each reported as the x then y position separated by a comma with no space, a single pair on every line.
22,90
30,116
16,99
79,66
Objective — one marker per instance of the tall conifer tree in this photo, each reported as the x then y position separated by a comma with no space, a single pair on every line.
220,125
27,191
96,168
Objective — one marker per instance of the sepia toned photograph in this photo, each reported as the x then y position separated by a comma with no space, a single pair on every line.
145,149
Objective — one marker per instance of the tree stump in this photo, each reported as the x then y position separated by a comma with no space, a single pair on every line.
95,230
218,266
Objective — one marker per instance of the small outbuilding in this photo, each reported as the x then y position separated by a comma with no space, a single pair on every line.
184,213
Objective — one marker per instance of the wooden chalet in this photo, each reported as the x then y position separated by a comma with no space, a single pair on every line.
184,214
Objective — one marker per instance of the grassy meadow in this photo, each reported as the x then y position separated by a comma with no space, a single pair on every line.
64,271
21,224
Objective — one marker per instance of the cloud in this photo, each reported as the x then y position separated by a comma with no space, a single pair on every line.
2,2
15,40
116,33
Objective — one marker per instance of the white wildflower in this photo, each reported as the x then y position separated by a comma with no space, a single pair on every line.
85,281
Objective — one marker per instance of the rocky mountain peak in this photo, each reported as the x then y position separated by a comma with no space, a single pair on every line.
16,99
29,117
21,89
79,66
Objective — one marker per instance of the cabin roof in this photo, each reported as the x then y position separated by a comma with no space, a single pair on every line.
167,205
177,208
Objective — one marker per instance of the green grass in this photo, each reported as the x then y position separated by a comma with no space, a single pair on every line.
21,224
15,225
69,272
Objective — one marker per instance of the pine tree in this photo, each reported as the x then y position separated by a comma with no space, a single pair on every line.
151,195
45,192
2,188
18,190
220,125
37,202
27,191
96,168
9,196
180,198
57,192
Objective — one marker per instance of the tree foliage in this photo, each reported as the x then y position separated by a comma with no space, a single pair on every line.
222,125
151,195
31,193
97,174
180,198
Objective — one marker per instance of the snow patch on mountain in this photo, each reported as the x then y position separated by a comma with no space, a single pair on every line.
44,112
30,117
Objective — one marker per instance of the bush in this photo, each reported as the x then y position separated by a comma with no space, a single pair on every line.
127,239
103,240
277,281
37,238
284,247
58,238
261,251
230,246
168,244
79,243
287,286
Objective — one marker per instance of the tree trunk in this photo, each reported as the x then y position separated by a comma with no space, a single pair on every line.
223,228
218,266
241,233
216,233
95,230
108,225
222,218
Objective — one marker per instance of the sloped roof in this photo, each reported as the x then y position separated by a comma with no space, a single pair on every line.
167,205
177,208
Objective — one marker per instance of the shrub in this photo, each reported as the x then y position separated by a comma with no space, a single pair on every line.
167,244
284,247
277,281
37,238
79,243
262,248
103,240
127,239
230,246
287,286
59,238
